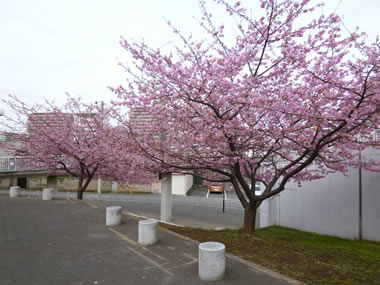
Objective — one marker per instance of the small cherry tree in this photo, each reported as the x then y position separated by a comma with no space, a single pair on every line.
74,138
263,107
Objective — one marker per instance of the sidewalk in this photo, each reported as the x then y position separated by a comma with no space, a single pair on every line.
67,242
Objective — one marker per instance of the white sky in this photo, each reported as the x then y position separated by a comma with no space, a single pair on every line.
50,47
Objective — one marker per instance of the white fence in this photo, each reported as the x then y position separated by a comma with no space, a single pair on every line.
8,164
331,205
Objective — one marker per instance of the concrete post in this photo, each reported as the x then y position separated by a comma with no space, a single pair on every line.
113,216
52,182
114,186
166,198
147,232
99,185
47,194
14,191
212,261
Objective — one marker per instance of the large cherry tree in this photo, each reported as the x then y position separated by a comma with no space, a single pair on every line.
290,96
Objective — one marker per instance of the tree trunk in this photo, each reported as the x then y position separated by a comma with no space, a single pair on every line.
80,194
80,188
250,218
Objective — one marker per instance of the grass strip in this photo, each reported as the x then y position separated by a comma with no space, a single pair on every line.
307,257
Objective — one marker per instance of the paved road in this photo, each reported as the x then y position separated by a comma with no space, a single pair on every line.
194,211
66,242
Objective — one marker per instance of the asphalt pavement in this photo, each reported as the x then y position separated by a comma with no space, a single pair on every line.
192,211
66,241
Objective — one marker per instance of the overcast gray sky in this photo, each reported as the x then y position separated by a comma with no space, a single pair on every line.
50,47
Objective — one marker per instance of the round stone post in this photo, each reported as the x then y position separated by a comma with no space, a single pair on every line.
14,191
113,216
147,232
212,261
47,194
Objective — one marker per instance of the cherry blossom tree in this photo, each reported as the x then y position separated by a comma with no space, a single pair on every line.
72,138
278,101
78,139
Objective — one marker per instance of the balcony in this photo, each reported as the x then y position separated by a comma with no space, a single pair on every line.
10,164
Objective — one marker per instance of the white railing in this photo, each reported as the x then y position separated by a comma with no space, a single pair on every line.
10,163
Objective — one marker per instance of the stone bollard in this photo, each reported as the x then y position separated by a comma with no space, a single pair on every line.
14,191
47,194
147,232
113,216
212,261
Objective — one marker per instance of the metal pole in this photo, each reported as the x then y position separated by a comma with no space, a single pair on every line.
223,200
360,198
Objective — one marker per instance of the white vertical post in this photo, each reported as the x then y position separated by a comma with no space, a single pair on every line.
212,261
147,232
14,191
47,194
166,199
99,185
114,186
113,216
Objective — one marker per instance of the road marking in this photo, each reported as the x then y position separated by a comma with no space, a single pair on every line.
151,261
124,237
71,201
190,257
183,264
91,204
192,261
127,239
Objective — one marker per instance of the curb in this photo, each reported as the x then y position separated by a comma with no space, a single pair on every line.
254,266
251,264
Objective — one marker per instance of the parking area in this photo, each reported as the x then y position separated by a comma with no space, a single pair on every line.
66,242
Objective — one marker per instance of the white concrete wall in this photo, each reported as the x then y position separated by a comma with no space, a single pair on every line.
178,184
371,200
329,205
181,183
189,180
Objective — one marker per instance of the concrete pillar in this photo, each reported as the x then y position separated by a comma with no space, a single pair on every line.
52,182
14,191
147,232
99,185
166,198
47,194
114,186
113,216
212,261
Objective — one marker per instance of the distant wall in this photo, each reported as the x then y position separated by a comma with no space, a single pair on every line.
71,184
329,205
5,183
66,183
181,184
136,187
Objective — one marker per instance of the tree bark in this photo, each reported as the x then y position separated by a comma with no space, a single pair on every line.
83,182
80,188
80,194
250,218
